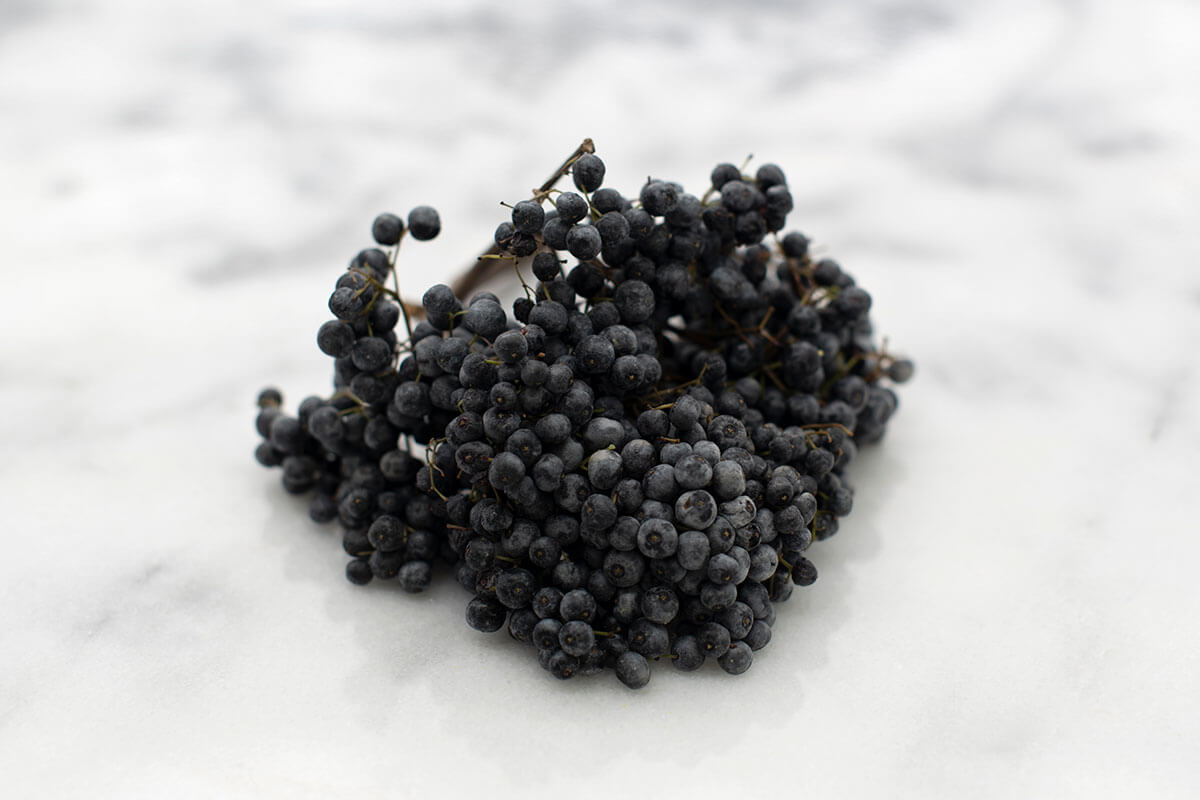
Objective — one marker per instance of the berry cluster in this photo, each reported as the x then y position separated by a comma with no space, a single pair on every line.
630,466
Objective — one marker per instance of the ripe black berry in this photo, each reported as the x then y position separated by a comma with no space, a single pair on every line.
424,223
387,229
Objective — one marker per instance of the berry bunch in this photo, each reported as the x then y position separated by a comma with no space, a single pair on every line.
633,464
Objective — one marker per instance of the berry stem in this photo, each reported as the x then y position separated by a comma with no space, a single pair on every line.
486,266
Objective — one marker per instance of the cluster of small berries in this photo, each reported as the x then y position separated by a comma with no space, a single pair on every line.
629,467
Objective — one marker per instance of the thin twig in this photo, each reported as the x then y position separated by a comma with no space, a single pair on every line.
484,267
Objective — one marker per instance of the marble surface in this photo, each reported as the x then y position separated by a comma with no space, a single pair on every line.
1010,611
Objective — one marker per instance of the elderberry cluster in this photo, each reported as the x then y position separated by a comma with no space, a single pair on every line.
632,465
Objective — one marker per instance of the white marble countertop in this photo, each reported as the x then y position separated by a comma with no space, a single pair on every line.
1010,611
